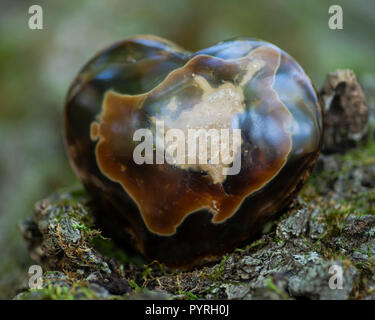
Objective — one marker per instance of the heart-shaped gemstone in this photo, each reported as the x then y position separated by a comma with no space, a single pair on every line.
188,154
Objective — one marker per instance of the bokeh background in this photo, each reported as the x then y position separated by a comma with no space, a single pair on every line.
37,66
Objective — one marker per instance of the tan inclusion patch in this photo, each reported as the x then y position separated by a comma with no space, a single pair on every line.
216,110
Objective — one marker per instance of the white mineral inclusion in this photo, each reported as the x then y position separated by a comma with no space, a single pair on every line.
216,110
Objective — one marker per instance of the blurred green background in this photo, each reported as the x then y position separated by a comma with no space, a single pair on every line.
37,66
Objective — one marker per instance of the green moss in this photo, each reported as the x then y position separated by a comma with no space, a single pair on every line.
277,240
56,293
51,292
78,291
218,272
255,244
364,203
364,155
190,296
134,285
271,285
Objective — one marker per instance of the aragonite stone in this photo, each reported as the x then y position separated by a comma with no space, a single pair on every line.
252,107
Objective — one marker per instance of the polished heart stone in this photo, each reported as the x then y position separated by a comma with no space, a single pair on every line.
135,117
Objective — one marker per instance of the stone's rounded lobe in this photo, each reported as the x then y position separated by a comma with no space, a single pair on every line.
185,214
